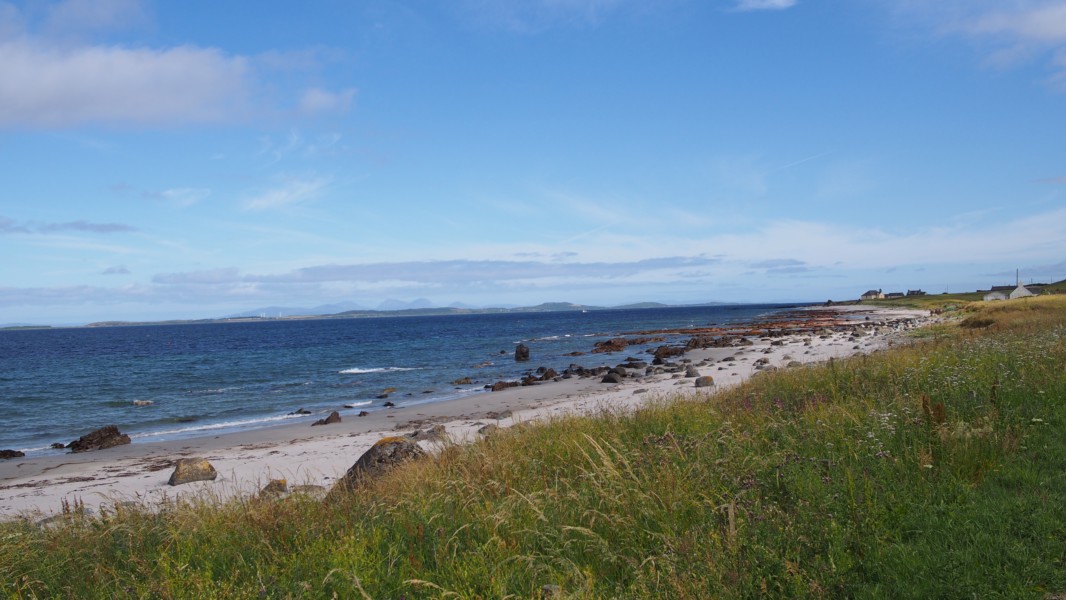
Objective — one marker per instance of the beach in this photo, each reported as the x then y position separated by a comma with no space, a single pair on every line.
36,487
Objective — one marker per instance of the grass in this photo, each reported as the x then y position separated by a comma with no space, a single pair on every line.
935,470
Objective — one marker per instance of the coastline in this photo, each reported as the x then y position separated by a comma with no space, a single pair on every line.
247,460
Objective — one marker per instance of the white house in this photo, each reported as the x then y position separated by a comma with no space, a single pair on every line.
1020,292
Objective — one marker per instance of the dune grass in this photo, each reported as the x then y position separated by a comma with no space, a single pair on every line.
935,470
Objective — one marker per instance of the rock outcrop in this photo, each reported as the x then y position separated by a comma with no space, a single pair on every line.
521,353
188,470
385,455
334,417
4,454
105,437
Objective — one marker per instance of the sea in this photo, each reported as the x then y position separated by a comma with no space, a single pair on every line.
173,381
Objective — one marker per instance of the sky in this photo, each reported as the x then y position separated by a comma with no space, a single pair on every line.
173,160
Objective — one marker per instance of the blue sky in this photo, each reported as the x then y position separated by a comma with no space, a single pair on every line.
194,159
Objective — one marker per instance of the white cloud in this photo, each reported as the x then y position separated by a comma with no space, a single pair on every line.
746,5
181,197
1015,32
295,191
316,101
44,86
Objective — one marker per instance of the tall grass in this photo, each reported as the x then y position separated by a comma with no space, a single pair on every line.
935,470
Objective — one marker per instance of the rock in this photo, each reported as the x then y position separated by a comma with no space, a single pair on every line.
300,411
550,590
691,371
188,470
521,353
611,345
275,489
462,381
705,381
611,377
489,429
434,434
11,454
548,374
362,413
389,404
334,417
503,385
385,455
105,437
58,446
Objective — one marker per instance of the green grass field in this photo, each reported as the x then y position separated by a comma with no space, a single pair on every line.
934,470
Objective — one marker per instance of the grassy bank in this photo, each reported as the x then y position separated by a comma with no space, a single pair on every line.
936,470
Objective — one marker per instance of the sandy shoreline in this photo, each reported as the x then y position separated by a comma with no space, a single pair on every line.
301,454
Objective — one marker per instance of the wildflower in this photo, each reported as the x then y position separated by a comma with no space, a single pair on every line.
927,466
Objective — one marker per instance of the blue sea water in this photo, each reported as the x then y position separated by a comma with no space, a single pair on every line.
201,379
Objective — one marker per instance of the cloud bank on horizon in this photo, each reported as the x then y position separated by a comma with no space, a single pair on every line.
173,160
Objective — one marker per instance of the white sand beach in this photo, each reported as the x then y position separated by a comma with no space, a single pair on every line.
246,461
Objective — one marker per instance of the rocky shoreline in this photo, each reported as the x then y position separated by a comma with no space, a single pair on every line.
712,357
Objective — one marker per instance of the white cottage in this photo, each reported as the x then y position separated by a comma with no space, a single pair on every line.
1020,292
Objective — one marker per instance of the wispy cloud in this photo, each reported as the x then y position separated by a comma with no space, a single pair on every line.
1011,33
295,191
116,270
8,225
180,197
316,101
749,5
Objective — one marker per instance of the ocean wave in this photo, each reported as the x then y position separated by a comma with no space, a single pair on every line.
239,424
358,404
359,371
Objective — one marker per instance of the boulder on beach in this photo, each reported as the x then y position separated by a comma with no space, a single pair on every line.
105,437
188,470
692,371
300,411
385,455
462,381
11,454
503,385
612,377
521,353
705,381
334,417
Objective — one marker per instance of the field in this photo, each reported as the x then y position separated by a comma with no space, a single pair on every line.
932,470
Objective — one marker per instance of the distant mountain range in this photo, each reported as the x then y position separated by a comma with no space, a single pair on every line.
420,307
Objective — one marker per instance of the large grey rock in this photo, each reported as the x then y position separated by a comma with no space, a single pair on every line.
11,454
105,437
386,454
188,470
705,381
